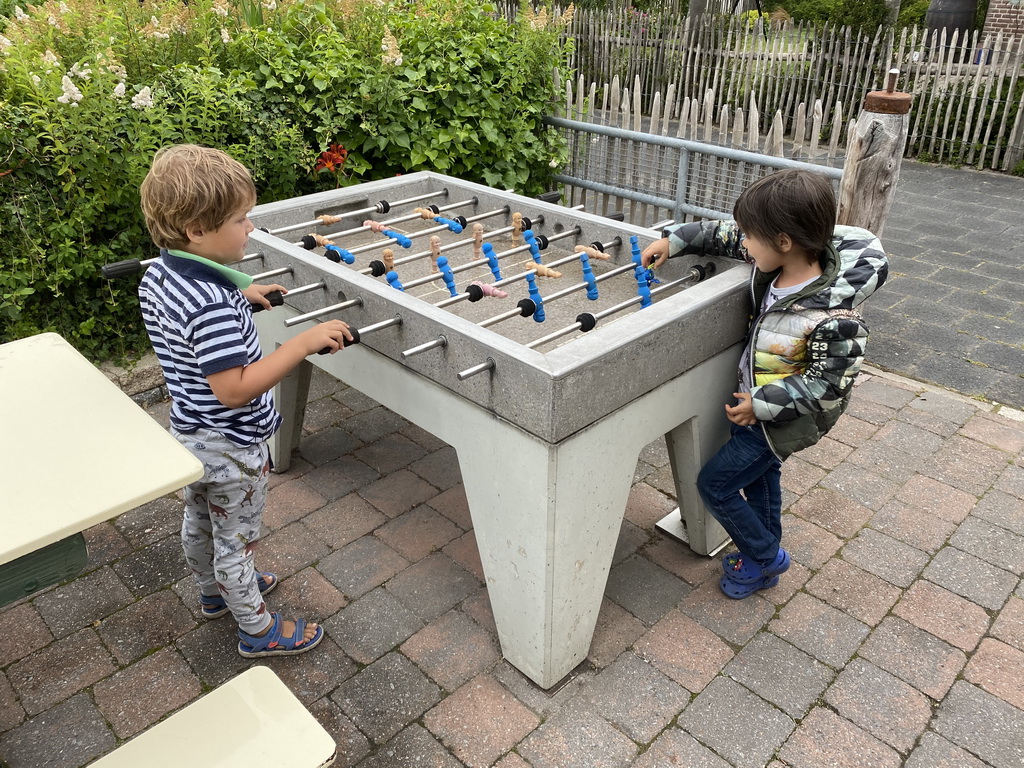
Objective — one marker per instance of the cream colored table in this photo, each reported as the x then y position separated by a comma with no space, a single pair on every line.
74,451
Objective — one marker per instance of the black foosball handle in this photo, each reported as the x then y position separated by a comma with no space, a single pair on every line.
121,269
355,340
276,299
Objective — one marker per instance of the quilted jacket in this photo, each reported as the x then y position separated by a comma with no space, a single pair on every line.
807,348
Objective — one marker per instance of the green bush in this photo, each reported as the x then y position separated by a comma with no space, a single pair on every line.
89,90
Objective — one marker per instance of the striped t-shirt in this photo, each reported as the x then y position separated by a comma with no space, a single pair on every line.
199,324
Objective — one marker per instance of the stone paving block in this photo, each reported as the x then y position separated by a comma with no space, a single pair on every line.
327,445
966,464
646,505
307,594
644,589
168,682
994,431
828,453
440,468
865,409
1003,510
480,722
799,476
386,696
662,480
635,697
736,621
909,524
11,712
616,630
832,511
433,585
851,432
854,591
947,616
343,521
398,492
679,560
577,741
883,705
970,577
780,674
350,397
352,746
414,746
339,477
743,728
372,625
150,568
478,608
290,549
465,552
946,406
983,725
1009,624
423,438
825,738
289,502
991,543
106,544
861,485
819,629
908,439
935,498
927,420
1011,481
885,392
630,539
886,461
678,748
998,669
545,703
323,413
915,656
70,735
390,453
311,676
417,533
153,622
454,505
684,650
82,601
151,522
59,670
807,543
362,565
212,651
452,649
889,559
933,751
373,424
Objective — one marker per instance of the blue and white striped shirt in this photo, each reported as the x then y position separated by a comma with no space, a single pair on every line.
199,324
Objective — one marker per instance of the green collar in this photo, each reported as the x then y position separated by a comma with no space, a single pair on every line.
239,279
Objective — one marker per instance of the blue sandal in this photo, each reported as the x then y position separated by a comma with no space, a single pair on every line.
214,606
273,644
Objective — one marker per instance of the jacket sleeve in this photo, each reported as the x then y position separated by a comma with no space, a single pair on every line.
706,238
835,353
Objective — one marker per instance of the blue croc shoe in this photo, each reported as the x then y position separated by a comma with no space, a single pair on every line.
739,591
741,570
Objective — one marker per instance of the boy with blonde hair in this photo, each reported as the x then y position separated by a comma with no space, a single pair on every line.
198,314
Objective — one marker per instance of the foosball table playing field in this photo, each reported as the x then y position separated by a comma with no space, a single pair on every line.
525,335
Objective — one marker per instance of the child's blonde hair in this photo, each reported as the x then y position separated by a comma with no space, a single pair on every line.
192,186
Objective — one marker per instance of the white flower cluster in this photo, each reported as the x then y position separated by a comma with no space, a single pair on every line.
269,4
220,9
119,90
154,22
71,93
392,56
5,44
225,36
143,99
19,14
81,71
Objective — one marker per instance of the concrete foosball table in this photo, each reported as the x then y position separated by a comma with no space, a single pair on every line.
547,430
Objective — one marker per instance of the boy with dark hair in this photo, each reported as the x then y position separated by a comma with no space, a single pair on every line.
804,350
198,314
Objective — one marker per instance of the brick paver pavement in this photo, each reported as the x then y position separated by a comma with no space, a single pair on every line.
897,638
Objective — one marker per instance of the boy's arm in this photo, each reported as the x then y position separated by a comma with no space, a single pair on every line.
237,387
835,350
697,238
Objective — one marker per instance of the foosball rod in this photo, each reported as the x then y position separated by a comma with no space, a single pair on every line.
382,206
427,231
133,266
442,340
390,222
696,274
328,310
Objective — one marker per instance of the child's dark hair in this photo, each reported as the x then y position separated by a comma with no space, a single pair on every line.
793,202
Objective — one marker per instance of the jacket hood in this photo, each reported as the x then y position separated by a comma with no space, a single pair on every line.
856,267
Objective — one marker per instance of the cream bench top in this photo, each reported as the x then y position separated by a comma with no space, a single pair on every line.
251,721
76,450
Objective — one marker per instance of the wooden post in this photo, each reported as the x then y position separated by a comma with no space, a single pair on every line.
873,158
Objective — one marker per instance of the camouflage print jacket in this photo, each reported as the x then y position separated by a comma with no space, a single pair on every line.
806,349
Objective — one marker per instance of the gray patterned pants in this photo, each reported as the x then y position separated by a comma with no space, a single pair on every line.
223,514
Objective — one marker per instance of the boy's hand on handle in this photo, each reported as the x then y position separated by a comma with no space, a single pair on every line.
257,294
741,414
656,252
326,337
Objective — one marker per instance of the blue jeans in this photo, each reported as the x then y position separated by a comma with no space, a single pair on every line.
754,518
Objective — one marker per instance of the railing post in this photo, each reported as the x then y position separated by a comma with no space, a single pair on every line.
873,158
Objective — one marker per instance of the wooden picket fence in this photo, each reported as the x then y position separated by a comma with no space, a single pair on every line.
968,91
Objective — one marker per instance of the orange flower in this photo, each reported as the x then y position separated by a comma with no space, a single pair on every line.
332,159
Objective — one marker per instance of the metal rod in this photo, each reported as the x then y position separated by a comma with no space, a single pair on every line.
322,311
429,231
398,219
305,289
360,212
272,273
485,366
440,341
396,320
